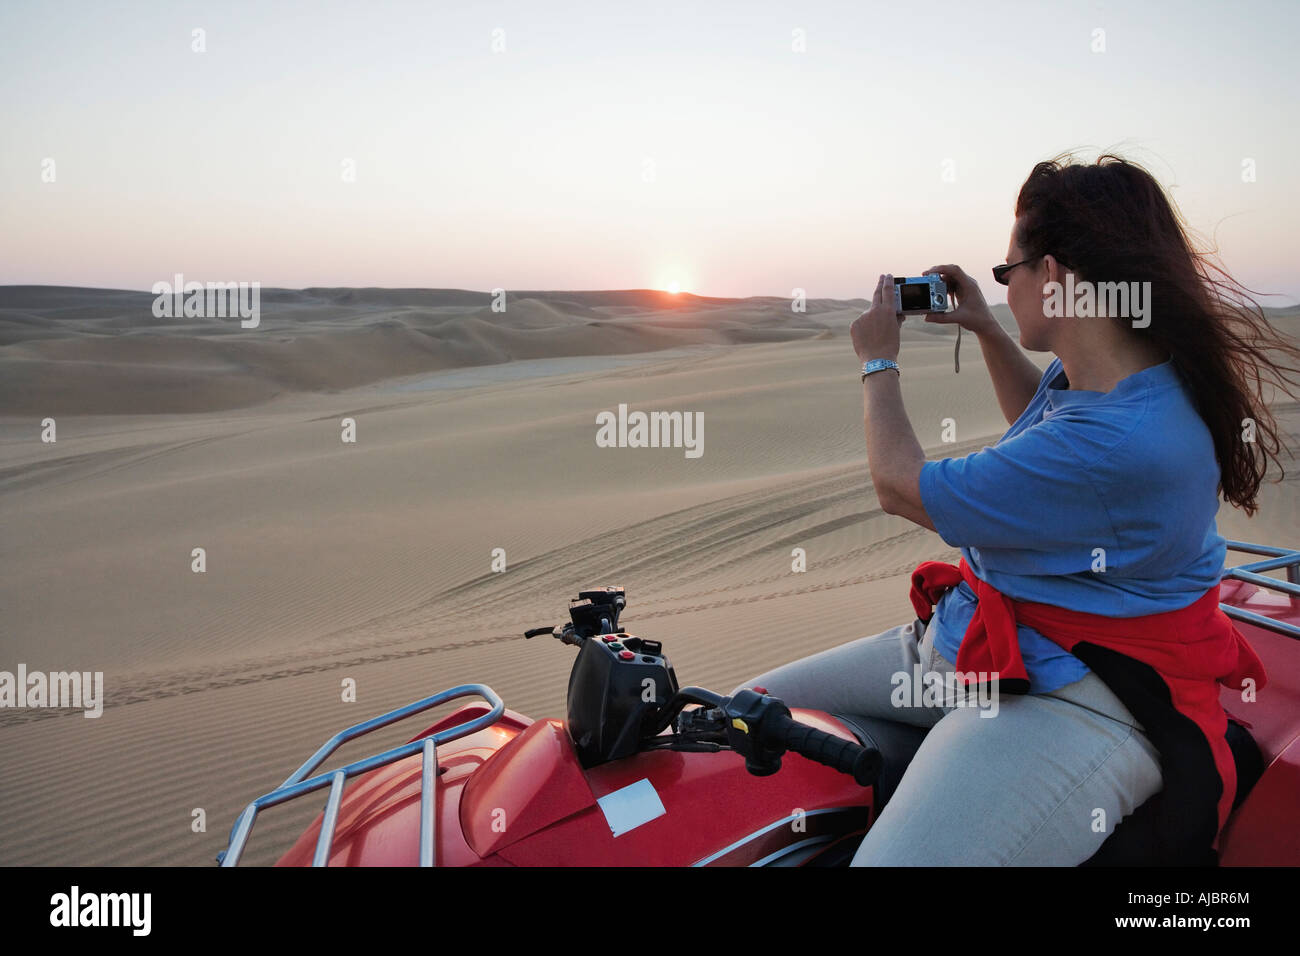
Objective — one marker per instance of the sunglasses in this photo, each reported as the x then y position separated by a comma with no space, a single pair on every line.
1000,272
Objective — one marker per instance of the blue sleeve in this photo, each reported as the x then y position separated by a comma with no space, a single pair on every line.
1028,493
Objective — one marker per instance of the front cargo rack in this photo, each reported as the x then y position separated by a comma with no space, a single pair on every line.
1275,559
299,783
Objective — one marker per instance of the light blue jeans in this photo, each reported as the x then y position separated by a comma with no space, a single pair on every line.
1042,780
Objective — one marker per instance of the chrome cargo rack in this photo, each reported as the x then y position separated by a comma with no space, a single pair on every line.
298,784
1276,558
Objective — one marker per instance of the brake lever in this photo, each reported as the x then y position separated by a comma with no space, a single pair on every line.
563,633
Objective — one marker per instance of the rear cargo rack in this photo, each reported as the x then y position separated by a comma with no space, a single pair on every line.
1252,573
299,784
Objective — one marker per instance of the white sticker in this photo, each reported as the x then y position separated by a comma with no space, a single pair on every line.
628,808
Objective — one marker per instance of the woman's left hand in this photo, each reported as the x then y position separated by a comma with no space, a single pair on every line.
875,332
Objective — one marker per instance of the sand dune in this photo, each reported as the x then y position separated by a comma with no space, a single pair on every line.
89,351
371,560
125,360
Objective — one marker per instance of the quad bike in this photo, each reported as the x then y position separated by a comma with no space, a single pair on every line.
644,772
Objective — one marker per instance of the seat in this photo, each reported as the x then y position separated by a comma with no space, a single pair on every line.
898,744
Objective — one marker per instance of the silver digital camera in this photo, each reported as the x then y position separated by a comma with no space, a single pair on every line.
922,294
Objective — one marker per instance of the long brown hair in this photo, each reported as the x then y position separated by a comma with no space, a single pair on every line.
1110,221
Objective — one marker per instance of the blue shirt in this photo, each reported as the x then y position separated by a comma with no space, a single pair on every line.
1101,502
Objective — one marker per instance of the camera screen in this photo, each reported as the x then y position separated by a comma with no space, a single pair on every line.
915,296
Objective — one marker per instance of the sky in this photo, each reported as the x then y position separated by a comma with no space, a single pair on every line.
731,149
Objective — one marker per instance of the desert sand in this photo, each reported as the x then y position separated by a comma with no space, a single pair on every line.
372,560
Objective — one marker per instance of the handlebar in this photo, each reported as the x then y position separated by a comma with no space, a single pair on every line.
846,756
755,725
761,729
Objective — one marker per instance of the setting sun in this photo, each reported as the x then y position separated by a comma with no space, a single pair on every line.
674,287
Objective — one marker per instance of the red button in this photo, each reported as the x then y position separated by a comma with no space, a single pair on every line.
626,655
609,638
759,690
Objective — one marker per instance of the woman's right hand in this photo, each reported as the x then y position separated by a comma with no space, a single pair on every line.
972,313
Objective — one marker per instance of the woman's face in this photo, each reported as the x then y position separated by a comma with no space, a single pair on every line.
1025,296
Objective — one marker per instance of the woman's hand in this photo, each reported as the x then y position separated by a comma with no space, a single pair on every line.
972,312
875,332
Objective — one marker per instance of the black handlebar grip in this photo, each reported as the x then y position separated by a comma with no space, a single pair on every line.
846,756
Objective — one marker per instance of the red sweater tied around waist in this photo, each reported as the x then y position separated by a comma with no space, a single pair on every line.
1192,650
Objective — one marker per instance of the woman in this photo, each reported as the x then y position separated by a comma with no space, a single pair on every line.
1087,596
